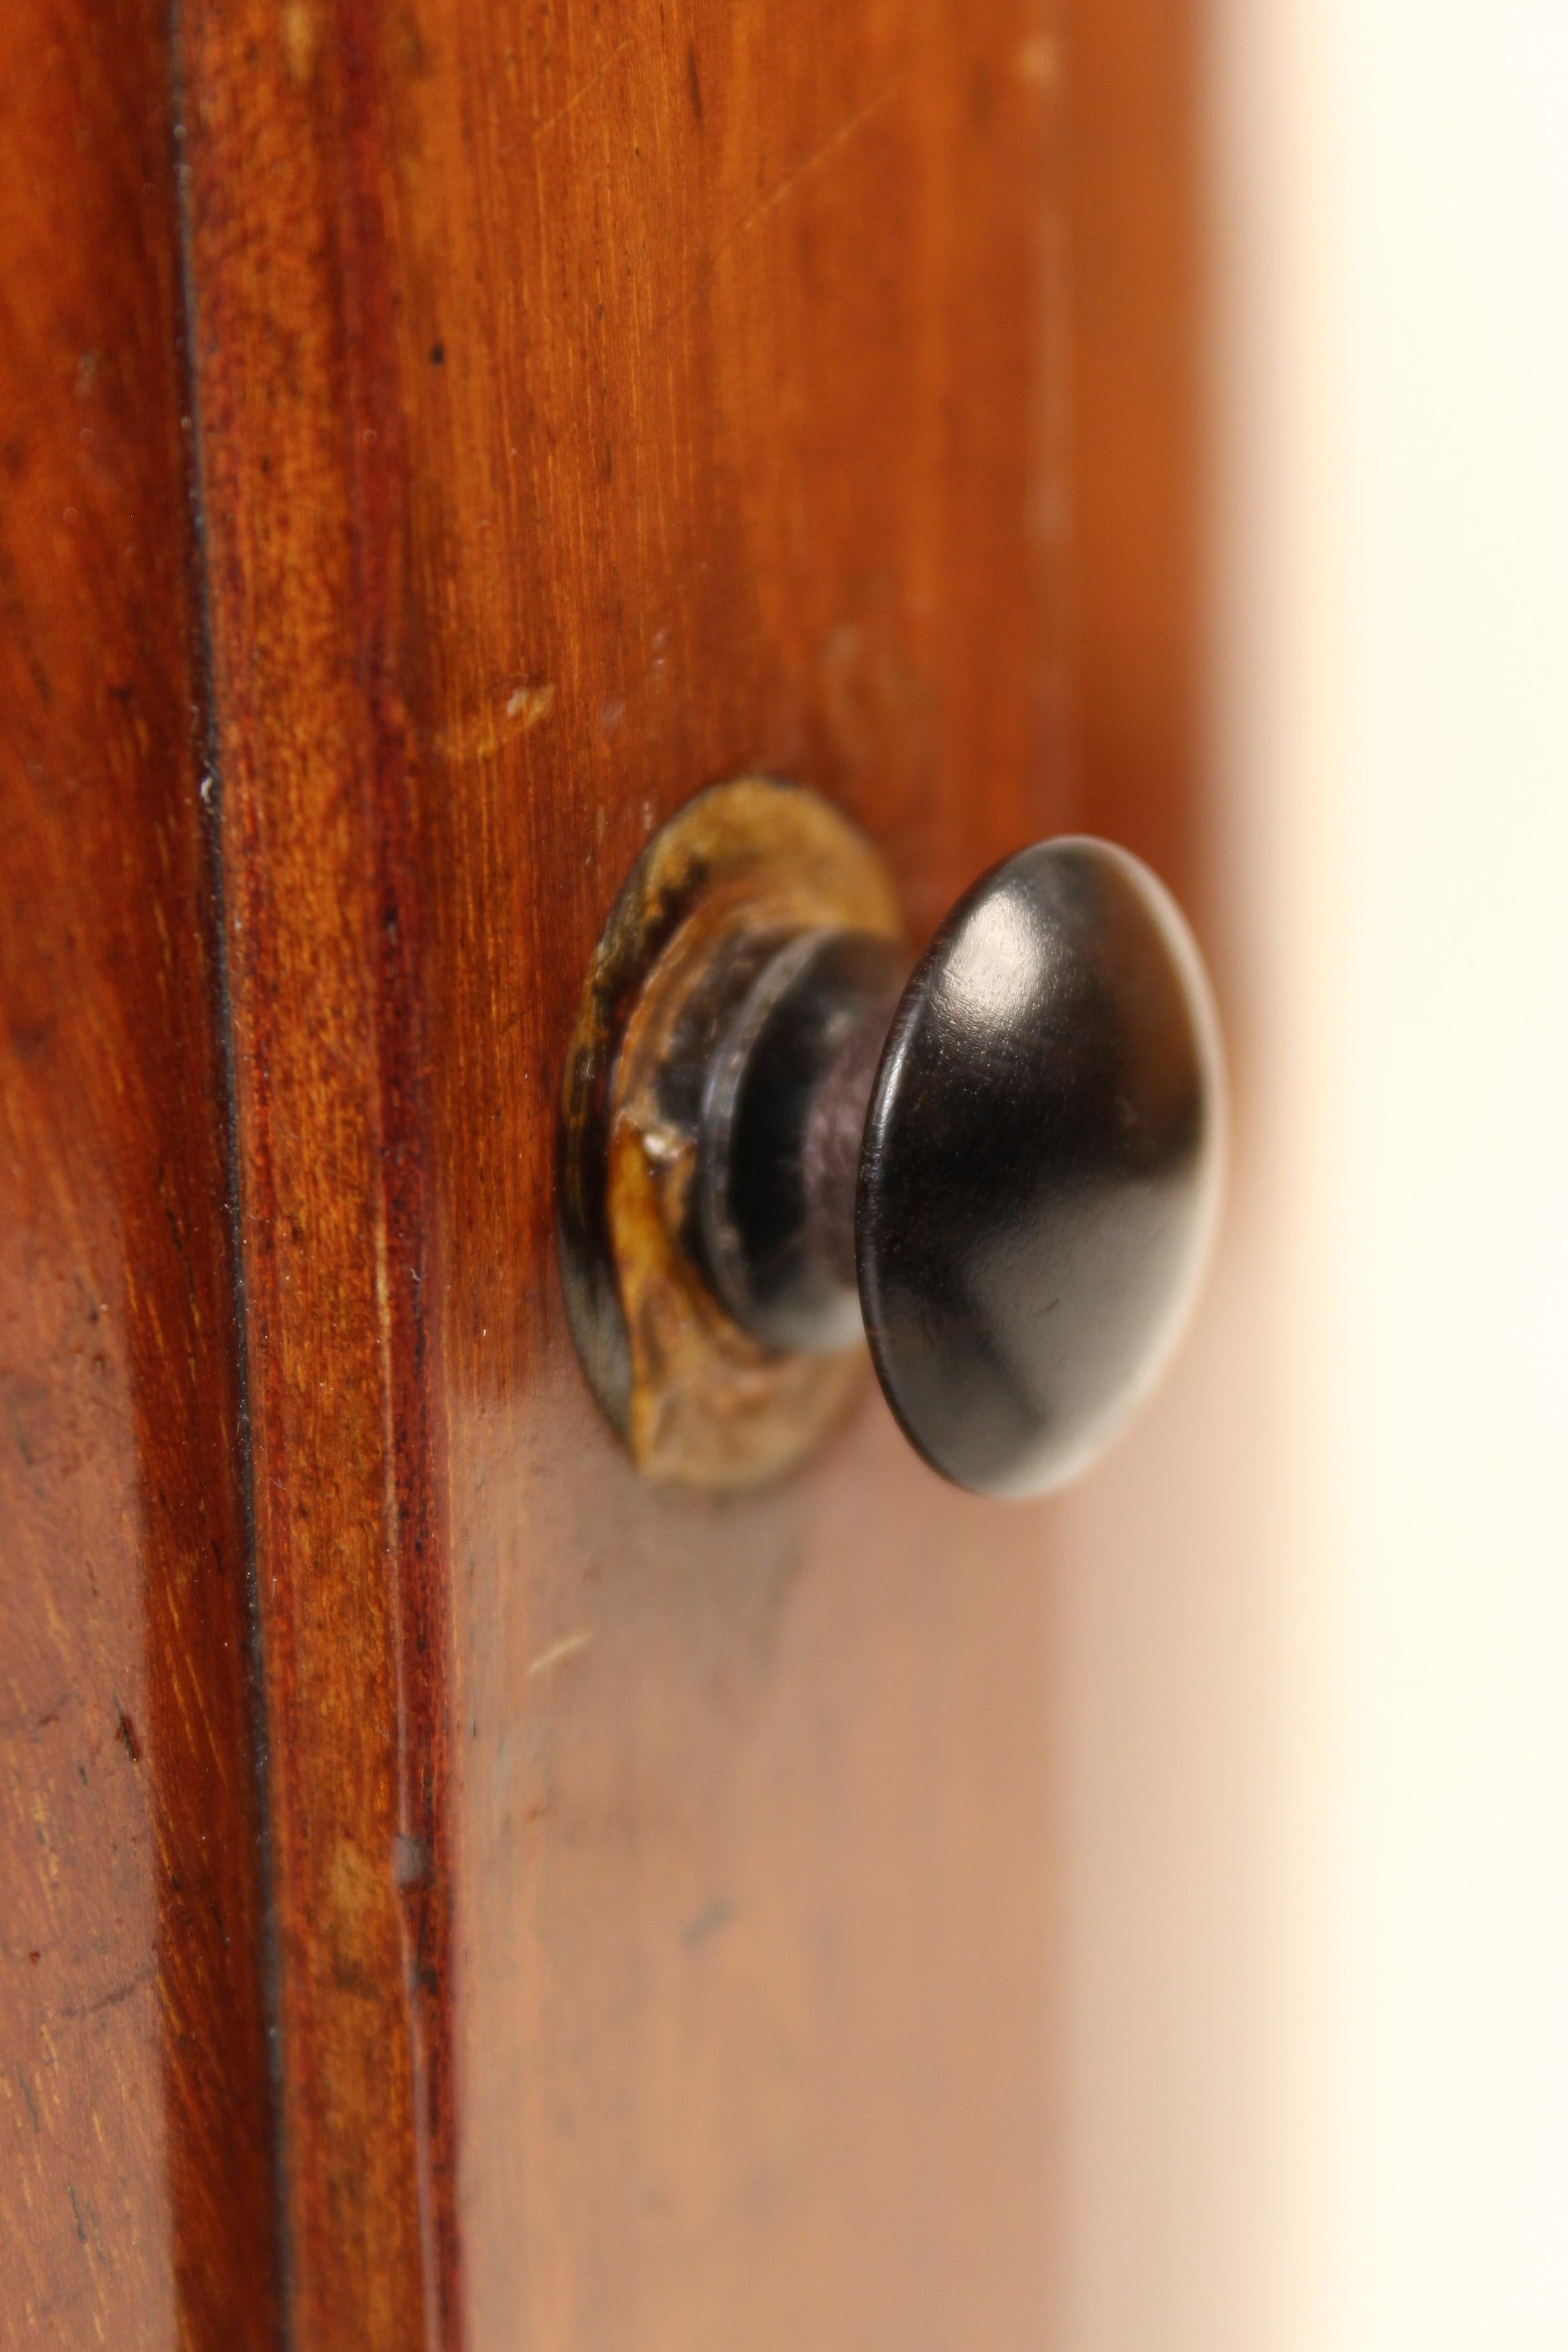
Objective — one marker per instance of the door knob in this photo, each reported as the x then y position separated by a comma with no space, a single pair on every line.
1004,1165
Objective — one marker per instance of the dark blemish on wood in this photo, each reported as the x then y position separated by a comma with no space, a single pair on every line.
86,2223
352,1976
693,82
125,1732
115,1995
410,1860
30,1040
707,1922
24,2086
437,354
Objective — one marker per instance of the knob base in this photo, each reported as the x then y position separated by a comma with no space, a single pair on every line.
736,875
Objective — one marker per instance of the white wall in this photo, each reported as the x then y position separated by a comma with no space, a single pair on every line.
1313,1705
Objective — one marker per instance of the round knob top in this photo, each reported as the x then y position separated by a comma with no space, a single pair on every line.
1006,1167
1041,1166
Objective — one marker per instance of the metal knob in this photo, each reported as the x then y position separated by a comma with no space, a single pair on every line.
1004,1166
1007,1165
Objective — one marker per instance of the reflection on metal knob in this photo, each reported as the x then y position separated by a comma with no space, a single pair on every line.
1005,1164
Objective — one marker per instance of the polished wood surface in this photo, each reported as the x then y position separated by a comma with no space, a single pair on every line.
593,405
135,2184
303,492
586,404
1135,198
735,451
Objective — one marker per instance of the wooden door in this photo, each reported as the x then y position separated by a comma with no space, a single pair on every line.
467,1895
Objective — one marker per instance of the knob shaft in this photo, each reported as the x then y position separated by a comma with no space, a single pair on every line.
1010,1170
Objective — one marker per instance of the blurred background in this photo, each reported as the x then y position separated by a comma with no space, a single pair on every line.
1311,1721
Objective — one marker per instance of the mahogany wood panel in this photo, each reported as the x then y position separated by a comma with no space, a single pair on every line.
302,491
1134,194
593,402
596,400
136,2205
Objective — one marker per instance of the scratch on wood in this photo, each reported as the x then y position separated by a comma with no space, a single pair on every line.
112,1999
707,1922
31,2103
837,138
530,705
560,1651
584,90
819,154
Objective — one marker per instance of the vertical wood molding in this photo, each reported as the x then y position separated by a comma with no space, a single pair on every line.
301,497
136,2149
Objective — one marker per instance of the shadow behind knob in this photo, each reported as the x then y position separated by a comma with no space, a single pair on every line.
1041,1167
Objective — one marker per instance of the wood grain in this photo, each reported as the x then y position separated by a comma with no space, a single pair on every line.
1138,563
303,490
136,2206
589,402
594,402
